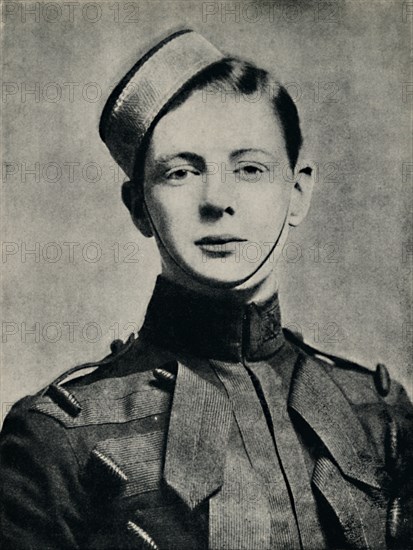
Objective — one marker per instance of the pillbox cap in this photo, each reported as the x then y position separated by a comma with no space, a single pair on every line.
145,90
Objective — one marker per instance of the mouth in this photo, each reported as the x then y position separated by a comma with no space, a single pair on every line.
219,240
219,246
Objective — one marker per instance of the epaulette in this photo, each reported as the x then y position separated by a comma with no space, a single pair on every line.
63,397
380,376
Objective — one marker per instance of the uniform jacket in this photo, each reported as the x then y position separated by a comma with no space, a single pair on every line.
132,454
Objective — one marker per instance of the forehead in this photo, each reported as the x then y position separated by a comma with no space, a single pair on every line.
218,124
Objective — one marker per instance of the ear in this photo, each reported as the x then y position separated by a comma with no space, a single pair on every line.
132,197
301,193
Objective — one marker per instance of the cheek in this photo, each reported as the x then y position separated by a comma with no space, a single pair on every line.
267,208
170,212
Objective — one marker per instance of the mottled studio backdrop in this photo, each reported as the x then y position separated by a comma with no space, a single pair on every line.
76,274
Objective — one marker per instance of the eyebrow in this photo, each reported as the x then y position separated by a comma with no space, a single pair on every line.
199,161
240,152
185,155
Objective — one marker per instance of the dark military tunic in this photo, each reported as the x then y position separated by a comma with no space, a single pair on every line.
214,429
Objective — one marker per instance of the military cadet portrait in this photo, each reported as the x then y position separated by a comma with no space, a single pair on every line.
213,426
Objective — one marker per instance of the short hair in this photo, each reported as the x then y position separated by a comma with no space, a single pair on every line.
239,76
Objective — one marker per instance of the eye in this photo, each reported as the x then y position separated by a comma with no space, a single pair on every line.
249,171
181,174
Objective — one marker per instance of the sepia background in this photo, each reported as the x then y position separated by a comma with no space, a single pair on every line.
76,274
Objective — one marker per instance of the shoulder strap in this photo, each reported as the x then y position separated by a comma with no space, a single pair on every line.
381,375
118,348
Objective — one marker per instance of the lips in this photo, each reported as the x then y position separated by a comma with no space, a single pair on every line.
219,240
219,246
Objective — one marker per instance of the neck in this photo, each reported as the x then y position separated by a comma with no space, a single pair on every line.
246,293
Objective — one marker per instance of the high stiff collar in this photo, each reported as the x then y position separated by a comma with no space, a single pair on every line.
182,320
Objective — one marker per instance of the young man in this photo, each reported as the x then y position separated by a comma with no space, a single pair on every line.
215,428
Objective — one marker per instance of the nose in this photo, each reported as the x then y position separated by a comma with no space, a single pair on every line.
217,198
